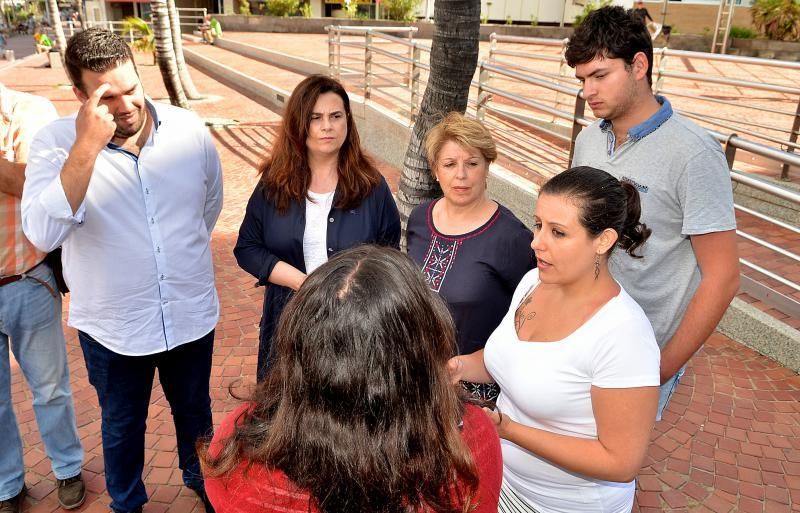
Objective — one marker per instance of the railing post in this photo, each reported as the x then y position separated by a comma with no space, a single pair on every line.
368,66
338,54
331,52
662,67
130,34
562,70
410,66
730,150
793,139
483,97
415,76
580,107
492,44
71,26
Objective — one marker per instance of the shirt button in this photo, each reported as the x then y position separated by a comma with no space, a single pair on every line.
152,220
147,191
158,249
331,219
330,250
164,302
162,276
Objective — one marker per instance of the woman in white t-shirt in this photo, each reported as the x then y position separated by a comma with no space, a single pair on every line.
575,357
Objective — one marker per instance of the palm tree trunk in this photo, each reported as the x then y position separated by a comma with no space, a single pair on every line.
55,19
177,43
454,55
165,54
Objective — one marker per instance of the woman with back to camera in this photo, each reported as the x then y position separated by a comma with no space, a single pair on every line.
358,414
318,194
472,250
575,357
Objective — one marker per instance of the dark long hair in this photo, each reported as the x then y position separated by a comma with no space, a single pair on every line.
285,172
604,202
359,409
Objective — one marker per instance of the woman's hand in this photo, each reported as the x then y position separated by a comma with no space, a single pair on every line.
456,369
499,420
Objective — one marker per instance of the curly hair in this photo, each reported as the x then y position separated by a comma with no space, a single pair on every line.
611,32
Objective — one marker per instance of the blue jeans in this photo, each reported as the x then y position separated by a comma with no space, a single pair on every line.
666,391
30,318
123,385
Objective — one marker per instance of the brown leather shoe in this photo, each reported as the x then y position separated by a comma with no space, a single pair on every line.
71,492
14,504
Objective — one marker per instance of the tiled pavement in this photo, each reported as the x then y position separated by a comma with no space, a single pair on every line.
730,440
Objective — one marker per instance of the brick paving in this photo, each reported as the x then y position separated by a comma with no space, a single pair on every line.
730,440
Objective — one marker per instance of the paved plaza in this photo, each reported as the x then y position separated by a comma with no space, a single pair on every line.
730,440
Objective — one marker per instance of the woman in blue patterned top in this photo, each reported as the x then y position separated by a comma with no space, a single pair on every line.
472,250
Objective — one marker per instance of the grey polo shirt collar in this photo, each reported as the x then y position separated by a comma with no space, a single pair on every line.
641,130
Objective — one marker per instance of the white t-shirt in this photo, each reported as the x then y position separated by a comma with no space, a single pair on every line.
547,385
315,235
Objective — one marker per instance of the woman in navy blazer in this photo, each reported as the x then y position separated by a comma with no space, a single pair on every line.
318,194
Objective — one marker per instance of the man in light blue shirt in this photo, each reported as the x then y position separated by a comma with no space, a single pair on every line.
131,190
689,272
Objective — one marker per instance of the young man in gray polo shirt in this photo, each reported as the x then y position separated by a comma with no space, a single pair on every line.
689,273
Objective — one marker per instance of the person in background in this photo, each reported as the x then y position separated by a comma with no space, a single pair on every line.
358,414
690,270
30,322
318,194
575,357
43,42
472,250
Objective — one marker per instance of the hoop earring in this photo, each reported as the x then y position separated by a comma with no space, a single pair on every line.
596,267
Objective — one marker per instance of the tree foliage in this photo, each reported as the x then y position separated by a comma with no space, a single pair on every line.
401,10
143,38
283,7
588,8
777,19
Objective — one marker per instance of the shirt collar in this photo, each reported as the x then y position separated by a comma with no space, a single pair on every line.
648,126
151,109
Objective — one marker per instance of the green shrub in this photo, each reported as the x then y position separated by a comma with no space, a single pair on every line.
534,20
283,7
509,21
305,10
244,7
590,6
400,10
351,8
484,18
777,19
742,32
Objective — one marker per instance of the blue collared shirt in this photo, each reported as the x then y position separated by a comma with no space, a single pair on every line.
641,130
137,255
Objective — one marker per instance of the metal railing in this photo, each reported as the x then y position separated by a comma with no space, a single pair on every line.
189,17
536,114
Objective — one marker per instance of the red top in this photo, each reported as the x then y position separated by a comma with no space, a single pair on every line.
270,491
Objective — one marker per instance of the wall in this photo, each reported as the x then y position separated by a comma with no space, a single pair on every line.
689,18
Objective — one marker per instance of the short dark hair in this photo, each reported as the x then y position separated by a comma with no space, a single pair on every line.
97,50
611,32
604,202
359,409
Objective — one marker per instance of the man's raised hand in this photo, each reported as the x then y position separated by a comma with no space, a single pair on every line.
94,125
